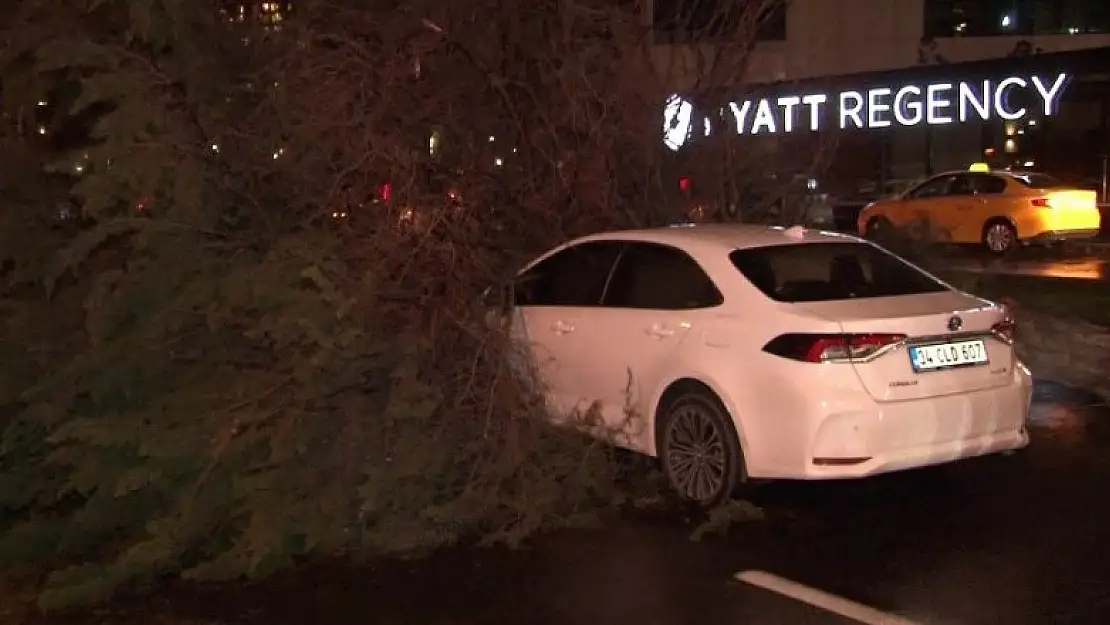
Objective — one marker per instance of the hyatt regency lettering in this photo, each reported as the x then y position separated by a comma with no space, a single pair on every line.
1008,98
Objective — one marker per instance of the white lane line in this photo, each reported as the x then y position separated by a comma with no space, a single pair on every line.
820,599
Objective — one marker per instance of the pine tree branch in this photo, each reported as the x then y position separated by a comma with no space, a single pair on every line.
238,427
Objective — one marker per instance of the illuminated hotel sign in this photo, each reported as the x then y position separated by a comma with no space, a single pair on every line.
881,107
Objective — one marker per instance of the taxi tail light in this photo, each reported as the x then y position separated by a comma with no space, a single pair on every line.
1041,202
820,348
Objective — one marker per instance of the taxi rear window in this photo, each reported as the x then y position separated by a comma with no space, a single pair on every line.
1038,181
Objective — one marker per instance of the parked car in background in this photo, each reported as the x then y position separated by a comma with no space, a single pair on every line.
1000,209
737,352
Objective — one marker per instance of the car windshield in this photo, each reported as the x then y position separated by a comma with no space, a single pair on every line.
817,272
1038,181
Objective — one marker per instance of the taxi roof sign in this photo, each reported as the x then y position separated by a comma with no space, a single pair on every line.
979,167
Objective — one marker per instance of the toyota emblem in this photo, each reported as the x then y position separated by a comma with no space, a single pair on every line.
955,323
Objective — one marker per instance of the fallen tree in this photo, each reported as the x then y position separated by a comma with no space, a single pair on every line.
260,340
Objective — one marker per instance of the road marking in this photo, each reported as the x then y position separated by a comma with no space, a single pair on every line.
820,599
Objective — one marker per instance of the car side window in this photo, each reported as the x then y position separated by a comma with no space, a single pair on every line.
575,276
986,184
962,185
659,277
935,187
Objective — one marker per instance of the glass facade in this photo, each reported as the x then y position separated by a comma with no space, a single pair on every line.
995,18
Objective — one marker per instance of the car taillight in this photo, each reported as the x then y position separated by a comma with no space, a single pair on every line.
1041,202
830,347
1005,329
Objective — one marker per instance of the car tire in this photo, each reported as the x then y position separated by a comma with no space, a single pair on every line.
999,236
877,228
699,450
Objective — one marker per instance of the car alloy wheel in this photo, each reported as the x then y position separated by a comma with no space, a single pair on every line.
699,451
1000,237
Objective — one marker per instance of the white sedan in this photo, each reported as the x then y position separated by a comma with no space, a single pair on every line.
748,352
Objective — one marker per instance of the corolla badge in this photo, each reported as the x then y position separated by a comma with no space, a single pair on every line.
955,323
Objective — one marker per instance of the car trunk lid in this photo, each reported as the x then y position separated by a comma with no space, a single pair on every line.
950,320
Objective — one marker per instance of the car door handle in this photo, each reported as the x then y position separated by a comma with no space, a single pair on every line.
562,327
660,331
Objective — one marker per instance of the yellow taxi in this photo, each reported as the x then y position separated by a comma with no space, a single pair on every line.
1000,209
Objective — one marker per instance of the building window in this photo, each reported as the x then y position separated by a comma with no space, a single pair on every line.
976,18
1071,17
992,18
686,21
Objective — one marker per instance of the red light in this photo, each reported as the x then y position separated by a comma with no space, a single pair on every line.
821,348
1041,202
385,192
684,183
830,347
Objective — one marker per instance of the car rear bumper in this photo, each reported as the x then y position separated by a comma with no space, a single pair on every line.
1052,236
859,437
926,454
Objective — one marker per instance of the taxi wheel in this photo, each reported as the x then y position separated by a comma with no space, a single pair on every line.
999,236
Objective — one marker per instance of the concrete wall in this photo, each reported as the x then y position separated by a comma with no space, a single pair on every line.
827,38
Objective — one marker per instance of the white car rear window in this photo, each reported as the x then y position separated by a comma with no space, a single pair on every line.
817,272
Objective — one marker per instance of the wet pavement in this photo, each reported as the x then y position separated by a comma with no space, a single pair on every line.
1012,540
1066,267
1089,261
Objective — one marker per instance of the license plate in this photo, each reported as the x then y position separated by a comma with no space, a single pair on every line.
947,355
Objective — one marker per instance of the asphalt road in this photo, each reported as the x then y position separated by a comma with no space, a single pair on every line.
1014,540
